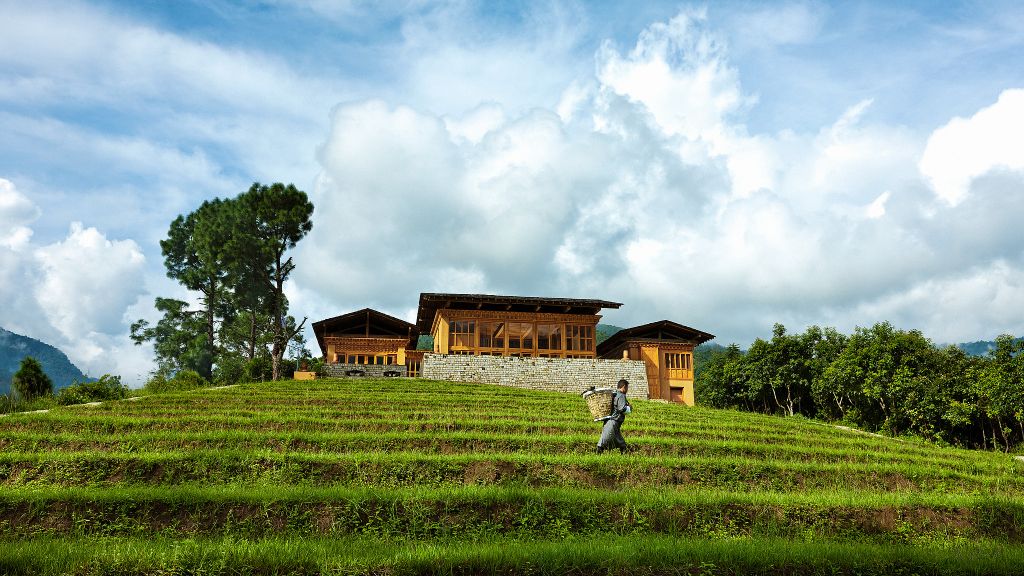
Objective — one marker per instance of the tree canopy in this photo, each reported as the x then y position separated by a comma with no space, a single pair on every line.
233,253
30,381
878,378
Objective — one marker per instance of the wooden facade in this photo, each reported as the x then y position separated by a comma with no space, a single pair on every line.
667,351
365,337
482,324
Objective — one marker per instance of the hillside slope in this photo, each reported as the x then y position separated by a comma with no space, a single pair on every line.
415,476
15,347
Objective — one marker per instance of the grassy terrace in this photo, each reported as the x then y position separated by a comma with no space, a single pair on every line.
413,476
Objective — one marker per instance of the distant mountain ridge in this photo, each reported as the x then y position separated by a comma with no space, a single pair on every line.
15,347
979,348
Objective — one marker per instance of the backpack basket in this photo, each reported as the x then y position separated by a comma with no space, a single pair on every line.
599,401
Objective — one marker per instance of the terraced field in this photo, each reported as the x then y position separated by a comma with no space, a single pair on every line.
414,476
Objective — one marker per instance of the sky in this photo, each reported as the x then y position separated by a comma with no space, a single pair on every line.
727,165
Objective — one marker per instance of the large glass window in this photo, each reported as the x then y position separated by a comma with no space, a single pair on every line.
462,333
520,336
549,336
492,334
579,338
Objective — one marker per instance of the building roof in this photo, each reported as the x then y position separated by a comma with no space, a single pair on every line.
430,303
660,331
367,323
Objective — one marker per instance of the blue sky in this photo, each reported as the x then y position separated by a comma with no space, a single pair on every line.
724,165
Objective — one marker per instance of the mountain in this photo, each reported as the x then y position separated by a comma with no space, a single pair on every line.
604,332
980,348
14,347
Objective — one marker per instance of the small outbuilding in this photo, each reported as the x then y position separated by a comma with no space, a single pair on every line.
667,351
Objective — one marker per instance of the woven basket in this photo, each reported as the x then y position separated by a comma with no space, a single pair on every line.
599,402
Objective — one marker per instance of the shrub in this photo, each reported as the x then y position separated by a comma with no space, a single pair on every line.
235,369
106,388
183,380
30,381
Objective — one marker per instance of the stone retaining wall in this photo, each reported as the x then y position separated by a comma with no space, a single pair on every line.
572,375
368,370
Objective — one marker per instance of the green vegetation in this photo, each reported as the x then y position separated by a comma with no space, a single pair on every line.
106,388
878,378
15,347
420,477
233,254
30,381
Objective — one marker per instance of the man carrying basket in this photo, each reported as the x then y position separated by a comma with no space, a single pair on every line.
611,434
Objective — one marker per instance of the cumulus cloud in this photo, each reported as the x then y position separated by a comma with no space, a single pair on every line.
966,148
87,282
644,185
74,293
16,212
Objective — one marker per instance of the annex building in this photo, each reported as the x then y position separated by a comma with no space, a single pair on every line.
523,341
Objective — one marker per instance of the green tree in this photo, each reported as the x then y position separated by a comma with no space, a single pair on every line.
179,337
276,217
30,381
1001,388
718,383
233,253
196,255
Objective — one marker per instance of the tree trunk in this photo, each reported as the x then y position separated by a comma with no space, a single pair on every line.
211,342
1002,432
252,334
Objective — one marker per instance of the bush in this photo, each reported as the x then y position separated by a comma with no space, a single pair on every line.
106,388
11,403
235,369
30,381
184,380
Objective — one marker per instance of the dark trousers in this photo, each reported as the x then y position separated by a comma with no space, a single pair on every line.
611,436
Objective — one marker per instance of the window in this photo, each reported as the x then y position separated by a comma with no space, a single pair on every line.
549,336
492,335
679,366
579,338
413,366
520,336
462,334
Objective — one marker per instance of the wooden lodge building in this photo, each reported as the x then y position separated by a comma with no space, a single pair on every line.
563,330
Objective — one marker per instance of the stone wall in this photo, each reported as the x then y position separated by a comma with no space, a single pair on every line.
341,370
553,374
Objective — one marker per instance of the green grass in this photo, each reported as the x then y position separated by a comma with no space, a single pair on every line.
413,476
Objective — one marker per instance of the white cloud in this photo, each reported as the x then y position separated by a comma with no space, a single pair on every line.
979,303
73,294
646,187
678,72
966,148
16,212
88,281
72,52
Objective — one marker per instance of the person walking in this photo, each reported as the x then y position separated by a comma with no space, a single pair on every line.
611,434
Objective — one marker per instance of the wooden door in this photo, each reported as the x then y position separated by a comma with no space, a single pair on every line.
650,356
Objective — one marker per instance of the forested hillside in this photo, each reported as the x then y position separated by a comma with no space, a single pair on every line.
14,347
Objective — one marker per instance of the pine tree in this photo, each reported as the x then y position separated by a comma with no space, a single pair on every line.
30,381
